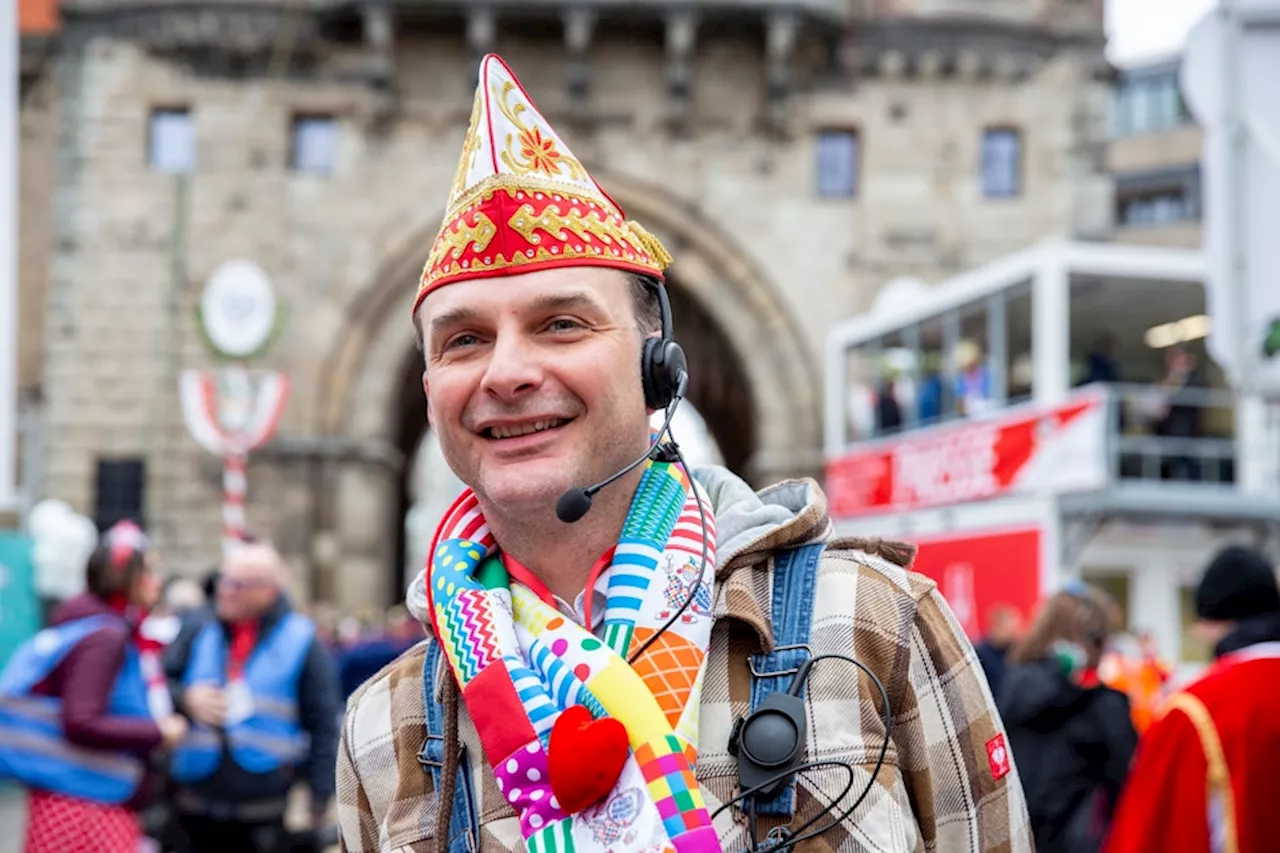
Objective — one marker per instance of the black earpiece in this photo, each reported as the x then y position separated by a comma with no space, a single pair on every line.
663,367
664,375
769,743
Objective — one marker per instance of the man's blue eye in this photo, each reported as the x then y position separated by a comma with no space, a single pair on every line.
461,340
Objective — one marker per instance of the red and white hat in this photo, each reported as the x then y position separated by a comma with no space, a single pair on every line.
522,202
124,539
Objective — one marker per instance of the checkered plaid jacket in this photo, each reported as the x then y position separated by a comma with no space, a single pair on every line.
945,786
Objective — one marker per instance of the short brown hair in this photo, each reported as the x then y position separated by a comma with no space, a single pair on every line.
644,303
1086,616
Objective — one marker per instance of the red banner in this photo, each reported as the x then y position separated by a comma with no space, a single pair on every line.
975,571
1026,451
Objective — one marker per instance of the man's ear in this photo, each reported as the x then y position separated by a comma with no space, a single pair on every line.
426,392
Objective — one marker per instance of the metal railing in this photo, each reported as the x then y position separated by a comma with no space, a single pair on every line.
1153,434
1185,435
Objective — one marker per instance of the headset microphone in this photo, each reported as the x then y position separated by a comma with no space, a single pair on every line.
574,503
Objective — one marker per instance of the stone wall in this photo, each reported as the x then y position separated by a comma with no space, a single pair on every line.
773,265
36,147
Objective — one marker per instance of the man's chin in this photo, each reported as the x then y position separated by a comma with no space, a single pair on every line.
525,492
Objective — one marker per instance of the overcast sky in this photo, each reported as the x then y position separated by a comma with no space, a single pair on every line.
1139,30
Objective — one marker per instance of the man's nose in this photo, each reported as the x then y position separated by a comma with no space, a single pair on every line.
513,368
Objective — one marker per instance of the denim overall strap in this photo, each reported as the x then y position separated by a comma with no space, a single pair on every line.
464,817
791,613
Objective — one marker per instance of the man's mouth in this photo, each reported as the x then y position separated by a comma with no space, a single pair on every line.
517,430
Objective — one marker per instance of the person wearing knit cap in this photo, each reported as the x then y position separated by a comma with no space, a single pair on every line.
1237,591
1203,778
588,648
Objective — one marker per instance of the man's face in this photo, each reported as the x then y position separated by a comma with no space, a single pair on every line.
249,583
1211,632
146,589
1006,626
533,382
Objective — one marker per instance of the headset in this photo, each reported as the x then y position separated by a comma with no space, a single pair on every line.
664,370
770,742
664,376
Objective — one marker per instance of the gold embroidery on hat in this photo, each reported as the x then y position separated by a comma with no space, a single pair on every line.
528,256
539,152
588,227
455,239
470,145
651,244
620,241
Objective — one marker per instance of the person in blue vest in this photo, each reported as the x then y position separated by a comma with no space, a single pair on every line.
262,696
75,727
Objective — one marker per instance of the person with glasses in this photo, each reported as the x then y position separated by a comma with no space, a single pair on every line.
262,696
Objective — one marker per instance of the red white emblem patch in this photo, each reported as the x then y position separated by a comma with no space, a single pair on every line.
998,757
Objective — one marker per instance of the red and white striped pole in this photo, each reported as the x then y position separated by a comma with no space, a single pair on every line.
231,428
234,485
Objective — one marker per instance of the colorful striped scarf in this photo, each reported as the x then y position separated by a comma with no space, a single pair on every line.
520,664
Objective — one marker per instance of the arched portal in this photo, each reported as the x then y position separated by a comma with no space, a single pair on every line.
754,379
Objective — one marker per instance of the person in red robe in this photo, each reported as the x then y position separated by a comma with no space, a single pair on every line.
1204,775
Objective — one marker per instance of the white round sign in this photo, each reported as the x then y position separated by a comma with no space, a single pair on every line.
238,308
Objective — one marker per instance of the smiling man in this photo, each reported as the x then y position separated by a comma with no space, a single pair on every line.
591,661
523,391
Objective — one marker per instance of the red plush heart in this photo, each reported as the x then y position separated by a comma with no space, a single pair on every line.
584,758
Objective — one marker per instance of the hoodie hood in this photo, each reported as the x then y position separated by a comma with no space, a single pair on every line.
1039,695
749,525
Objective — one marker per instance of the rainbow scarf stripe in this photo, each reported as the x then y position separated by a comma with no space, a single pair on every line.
519,663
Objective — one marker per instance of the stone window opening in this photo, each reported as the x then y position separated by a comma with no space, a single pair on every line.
1001,162
121,490
313,147
837,163
1159,197
171,140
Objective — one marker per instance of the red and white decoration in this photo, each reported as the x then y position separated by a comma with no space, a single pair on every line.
230,413
1025,452
998,757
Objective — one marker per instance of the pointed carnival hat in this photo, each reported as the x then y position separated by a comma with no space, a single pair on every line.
522,202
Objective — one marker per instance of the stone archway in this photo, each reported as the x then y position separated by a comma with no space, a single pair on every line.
721,303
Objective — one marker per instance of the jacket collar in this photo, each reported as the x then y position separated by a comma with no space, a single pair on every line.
751,527
1250,632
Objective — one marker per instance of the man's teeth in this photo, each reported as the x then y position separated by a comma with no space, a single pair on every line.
524,429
